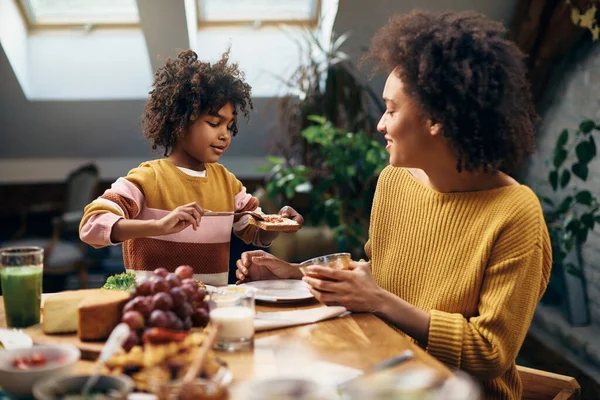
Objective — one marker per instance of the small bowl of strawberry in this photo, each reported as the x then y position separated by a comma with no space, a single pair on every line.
21,368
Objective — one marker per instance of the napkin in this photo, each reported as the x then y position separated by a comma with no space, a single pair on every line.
279,319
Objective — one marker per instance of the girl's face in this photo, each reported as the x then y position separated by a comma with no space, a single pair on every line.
410,137
209,136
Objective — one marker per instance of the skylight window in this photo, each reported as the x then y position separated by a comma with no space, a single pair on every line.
236,12
45,13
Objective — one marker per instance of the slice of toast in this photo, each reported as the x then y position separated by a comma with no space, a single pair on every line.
281,225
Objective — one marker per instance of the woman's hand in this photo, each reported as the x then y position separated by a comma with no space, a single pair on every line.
354,289
180,218
259,265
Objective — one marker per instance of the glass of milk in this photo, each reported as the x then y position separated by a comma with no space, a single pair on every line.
234,311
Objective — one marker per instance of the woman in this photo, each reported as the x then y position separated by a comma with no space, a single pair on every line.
459,251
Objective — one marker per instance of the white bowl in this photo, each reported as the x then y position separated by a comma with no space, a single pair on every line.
18,382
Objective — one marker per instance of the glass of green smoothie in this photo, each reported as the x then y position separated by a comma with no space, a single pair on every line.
21,270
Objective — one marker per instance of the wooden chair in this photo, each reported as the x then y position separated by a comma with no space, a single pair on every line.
64,253
542,385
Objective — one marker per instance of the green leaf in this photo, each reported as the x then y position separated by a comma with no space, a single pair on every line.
123,281
351,170
565,178
560,155
597,218
573,270
317,118
580,170
264,169
587,126
584,197
565,204
588,221
572,225
582,235
275,160
563,138
593,146
553,178
585,152
547,200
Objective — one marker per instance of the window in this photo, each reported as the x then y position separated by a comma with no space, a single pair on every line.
236,12
49,13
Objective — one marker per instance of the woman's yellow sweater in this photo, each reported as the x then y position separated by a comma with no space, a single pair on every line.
478,262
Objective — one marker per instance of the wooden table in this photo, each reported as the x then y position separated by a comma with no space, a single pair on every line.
354,340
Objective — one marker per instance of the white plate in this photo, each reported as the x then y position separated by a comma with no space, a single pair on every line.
278,290
15,339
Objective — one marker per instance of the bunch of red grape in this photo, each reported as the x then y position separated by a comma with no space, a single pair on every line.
172,301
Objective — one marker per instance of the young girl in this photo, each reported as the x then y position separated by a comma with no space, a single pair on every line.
459,251
156,211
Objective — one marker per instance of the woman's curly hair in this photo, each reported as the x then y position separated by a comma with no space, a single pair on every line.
464,74
184,89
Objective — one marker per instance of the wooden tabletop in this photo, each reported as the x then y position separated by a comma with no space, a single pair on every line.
355,340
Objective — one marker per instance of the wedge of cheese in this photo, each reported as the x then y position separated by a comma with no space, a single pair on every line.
99,313
92,313
59,314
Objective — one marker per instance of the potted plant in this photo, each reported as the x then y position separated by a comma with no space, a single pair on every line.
571,214
340,184
326,166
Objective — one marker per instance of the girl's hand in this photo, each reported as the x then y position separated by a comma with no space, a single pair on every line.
289,212
354,289
180,218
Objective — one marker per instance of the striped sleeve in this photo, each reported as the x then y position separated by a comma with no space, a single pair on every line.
124,199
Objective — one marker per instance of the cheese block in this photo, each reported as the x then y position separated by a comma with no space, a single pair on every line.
99,313
92,313
59,314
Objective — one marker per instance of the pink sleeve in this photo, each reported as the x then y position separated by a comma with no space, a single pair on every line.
96,231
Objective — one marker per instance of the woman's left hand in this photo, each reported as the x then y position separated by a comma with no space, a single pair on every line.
354,289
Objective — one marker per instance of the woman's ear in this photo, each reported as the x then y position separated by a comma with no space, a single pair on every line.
435,129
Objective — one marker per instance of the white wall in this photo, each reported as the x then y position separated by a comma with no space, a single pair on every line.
13,38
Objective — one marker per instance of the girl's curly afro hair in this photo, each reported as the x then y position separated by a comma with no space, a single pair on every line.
464,74
184,89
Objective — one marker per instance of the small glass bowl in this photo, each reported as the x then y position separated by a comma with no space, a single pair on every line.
336,261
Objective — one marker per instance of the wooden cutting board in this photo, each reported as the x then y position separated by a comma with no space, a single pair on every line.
89,350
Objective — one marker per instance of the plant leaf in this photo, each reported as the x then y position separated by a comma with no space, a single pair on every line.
560,155
565,204
582,235
584,197
319,119
275,160
565,178
580,170
547,200
563,138
587,126
585,152
573,270
588,221
553,178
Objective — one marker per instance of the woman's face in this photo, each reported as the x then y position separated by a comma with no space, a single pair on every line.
408,134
